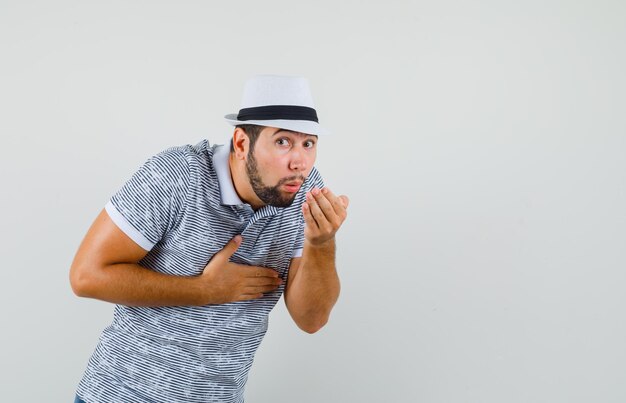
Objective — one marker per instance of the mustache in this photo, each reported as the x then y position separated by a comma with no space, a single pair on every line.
301,178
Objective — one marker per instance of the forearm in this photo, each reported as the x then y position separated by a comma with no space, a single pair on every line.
134,285
314,289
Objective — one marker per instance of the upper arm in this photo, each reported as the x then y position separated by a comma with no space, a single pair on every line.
105,244
152,201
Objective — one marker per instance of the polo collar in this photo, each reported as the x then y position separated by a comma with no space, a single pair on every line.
222,169
229,196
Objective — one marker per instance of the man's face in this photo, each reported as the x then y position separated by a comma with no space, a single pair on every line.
278,163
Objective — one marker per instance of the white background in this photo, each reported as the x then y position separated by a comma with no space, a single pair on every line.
482,144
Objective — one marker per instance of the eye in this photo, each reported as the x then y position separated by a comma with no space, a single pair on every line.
283,141
309,144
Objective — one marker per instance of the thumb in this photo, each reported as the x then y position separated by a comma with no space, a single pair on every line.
344,200
229,249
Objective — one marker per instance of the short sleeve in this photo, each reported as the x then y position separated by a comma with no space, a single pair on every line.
148,205
313,181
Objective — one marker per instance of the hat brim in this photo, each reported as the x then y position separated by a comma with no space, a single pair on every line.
301,126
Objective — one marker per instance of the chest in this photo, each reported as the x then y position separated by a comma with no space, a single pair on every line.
268,239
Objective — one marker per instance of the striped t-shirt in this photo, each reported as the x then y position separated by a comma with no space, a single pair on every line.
181,206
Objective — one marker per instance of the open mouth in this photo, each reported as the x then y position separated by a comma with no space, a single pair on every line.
292,187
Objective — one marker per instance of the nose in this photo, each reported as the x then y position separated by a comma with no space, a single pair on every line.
297,161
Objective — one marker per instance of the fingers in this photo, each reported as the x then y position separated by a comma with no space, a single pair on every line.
258,286
258,272
255,285
255,281
260,289
248,297
323,213
330,208
263,281
345,201
318,215
308,217
229,249
226,281
326,206
339,203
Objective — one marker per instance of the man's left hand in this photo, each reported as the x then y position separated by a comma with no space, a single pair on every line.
323,214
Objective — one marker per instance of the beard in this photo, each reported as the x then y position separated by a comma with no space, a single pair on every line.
270,195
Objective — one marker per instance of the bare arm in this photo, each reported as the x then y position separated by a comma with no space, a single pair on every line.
313,284
105,267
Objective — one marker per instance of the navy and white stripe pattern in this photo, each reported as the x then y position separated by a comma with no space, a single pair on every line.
181,207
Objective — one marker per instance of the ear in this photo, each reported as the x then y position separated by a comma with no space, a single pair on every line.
241,143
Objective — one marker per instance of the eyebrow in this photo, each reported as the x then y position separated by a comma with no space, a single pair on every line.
282,130
291,131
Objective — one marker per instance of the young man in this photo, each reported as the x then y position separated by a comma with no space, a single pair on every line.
199,245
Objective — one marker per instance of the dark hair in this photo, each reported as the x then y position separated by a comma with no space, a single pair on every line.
252,131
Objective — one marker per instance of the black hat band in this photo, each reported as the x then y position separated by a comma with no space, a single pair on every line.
275,112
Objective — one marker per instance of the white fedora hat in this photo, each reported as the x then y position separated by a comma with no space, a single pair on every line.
278,101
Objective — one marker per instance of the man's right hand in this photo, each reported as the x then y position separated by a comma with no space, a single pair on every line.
225,281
